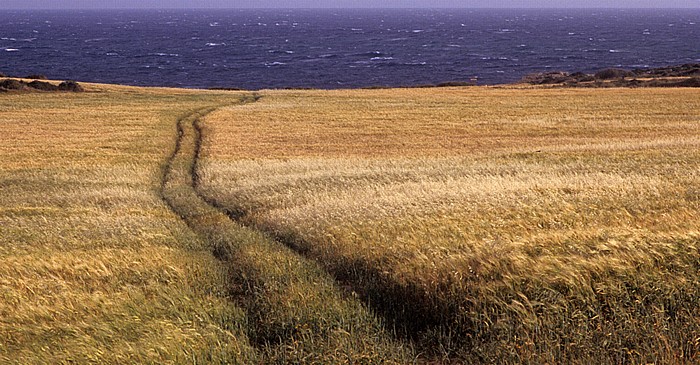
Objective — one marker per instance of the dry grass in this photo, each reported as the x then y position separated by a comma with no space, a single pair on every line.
492,225
94,267
488,225
109,256
296,313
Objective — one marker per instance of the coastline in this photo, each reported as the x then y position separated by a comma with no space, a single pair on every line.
685,75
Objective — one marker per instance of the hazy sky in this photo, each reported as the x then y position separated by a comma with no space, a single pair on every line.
121,4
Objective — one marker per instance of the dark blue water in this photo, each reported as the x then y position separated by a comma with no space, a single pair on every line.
256,49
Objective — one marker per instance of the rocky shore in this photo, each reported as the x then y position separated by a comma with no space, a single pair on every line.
10,84
687,75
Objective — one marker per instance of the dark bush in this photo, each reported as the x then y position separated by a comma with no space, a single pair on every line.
689,69
42,85
541,78
613,73
581,77
70,86
12,84
36,77
690,82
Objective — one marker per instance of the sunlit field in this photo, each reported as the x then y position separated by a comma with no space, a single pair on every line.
109,256
94,266
397,226
484,225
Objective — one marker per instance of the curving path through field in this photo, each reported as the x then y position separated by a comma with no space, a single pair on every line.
296,311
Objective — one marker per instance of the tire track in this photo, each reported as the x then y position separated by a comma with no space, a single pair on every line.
412,313
296,311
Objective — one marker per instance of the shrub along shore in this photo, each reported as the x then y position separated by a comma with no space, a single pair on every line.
687,75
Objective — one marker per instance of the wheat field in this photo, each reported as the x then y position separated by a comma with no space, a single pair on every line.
452,225
110,256
95,268
486,225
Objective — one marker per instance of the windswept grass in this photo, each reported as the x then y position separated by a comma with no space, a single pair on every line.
94,266
485,225
296,312
110,256
490,225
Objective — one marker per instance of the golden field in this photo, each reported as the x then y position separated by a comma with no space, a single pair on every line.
494,225
95,268
109,256
450,225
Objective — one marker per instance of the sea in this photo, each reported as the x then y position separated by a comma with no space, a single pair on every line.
332,48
